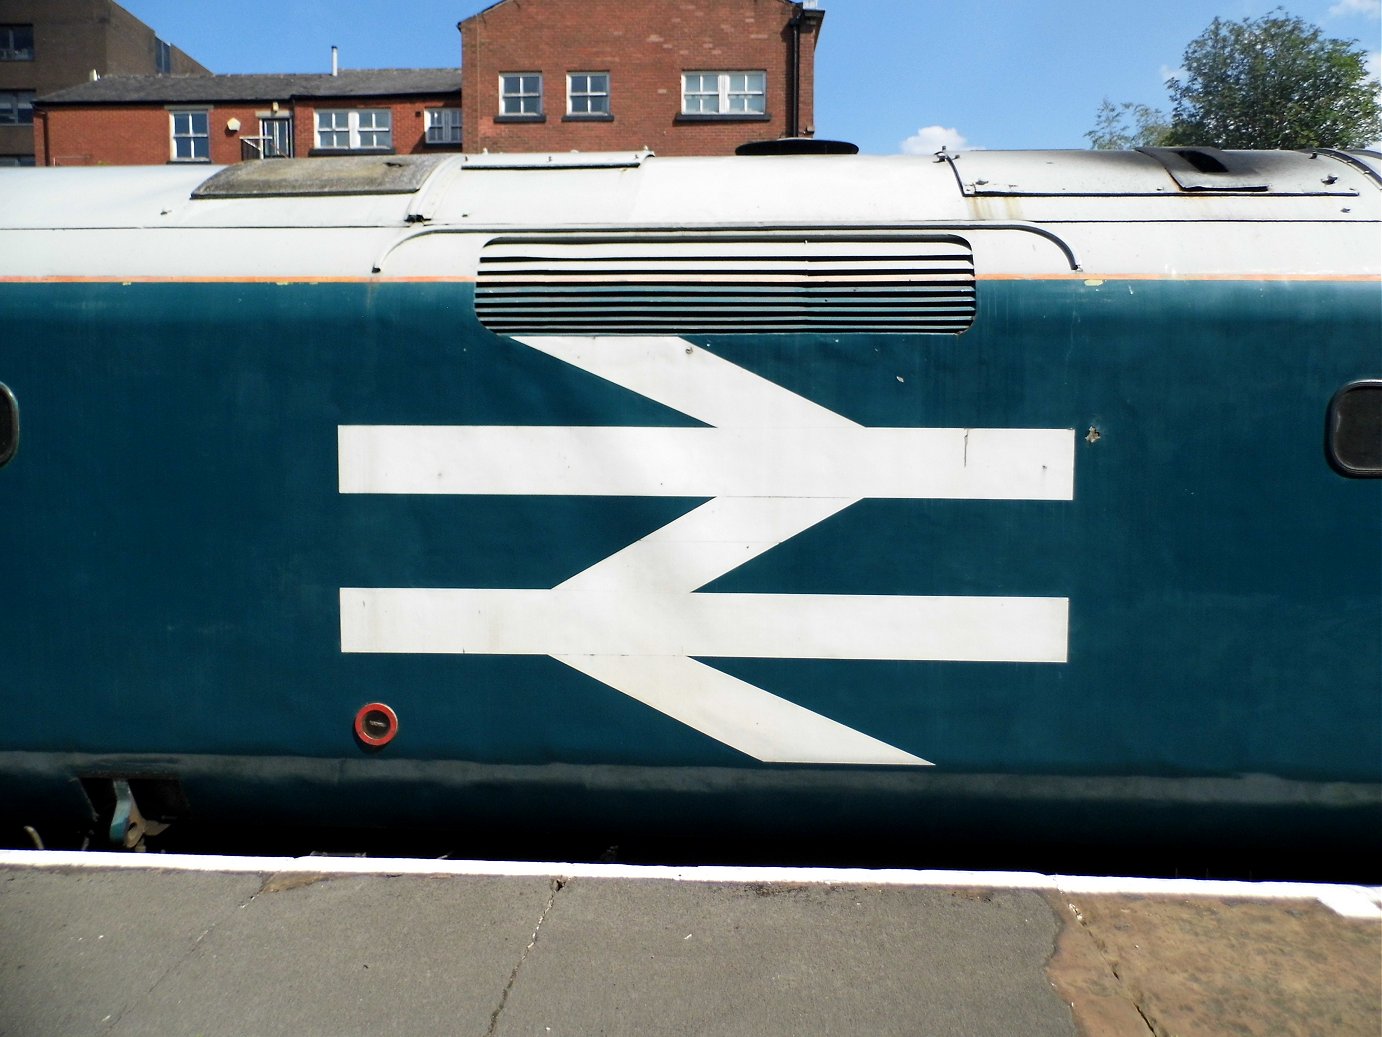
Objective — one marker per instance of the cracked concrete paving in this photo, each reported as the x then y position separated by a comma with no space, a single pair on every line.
77,950
114,952
127,953
518,966
667,958
150,952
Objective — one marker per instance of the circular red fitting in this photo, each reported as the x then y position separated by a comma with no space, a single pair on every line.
376,724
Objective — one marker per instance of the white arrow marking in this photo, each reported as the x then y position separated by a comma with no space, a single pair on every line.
854,462
690,380
775,464
563,622
704,544
737,713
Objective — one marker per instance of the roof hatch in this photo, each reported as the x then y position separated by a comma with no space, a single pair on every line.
1168,172
1209,169
306,177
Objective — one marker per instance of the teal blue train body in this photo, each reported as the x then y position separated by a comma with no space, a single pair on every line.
179,546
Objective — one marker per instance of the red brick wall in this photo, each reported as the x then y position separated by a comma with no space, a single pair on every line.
137,135
644,45
102,136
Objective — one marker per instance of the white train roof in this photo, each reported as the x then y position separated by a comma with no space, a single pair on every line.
366,207
637,187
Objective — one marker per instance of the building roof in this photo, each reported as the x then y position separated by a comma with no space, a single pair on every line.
375,82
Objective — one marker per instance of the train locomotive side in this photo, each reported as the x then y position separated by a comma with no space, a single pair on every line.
1031,493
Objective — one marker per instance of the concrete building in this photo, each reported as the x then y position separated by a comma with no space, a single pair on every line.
48,45
686,78
144,120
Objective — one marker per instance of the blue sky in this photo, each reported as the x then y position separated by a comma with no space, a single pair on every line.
891,75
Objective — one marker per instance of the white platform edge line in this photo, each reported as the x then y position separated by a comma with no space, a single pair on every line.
1350,901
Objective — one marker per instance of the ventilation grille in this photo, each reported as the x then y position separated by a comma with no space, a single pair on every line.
757,284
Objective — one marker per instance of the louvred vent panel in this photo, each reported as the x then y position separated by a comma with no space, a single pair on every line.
730,284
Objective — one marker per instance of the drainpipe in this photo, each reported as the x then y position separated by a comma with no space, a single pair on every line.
47,143
794,75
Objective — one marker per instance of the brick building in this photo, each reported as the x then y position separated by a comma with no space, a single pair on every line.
680,78
684,78
47,45
145,120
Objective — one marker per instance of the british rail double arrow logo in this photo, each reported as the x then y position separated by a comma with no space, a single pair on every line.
774,464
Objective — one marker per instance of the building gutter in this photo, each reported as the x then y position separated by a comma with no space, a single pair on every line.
47,147
794,75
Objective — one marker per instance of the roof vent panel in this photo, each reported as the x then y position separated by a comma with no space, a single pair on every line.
336,175
726,284
1209,169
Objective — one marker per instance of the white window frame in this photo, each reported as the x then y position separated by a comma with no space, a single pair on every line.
331,121
360,128
596,100
733,93
276,136
189,129
375,128
512,88
443,126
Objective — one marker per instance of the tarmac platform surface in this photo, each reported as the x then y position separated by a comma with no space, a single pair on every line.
125,944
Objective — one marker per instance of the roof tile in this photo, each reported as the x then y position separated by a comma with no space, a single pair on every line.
202,89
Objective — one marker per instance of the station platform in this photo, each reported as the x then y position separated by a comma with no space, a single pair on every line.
166,944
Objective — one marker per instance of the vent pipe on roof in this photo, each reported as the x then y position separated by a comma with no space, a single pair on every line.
335,60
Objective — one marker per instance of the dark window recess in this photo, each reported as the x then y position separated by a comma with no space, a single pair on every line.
9,425
726,284
16,43
16,107
1353,436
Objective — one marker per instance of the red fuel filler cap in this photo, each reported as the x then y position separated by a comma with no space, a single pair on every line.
376,724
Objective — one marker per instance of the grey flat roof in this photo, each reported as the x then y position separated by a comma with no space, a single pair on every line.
338,174
370,82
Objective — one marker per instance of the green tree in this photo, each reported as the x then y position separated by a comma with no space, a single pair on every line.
1119,127
1270,82
1273,82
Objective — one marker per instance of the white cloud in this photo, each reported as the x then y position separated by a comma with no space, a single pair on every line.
930,139
1169,72
1367,8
